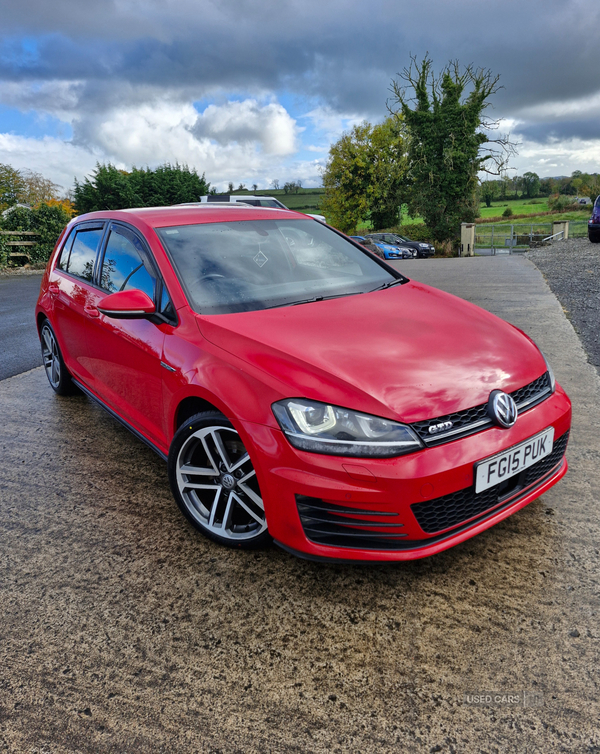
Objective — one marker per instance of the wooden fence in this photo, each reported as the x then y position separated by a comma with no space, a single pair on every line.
19,238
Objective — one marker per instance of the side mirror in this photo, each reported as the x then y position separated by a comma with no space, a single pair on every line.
132,304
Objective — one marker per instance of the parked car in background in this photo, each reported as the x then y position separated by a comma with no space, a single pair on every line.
253,201
385,250
594,223
391,251
299,388
369,244
423,250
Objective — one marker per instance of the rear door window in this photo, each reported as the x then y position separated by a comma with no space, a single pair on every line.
82,252
63,260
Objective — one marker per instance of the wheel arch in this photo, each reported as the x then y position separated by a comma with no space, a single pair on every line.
41,316
190,406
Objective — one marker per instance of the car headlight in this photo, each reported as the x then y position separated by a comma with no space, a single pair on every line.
550,372
424,245
321,428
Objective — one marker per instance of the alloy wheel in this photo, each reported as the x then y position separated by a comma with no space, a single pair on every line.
217,483
51,356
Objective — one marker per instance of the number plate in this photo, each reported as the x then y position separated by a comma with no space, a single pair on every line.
511,462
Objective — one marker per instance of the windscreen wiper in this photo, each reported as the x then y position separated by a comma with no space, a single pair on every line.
314,299
389,284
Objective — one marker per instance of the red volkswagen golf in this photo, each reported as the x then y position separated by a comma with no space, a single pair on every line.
299,388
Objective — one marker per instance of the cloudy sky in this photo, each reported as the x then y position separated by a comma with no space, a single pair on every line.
256,90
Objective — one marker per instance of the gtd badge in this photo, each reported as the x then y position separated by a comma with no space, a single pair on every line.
441,427
502,408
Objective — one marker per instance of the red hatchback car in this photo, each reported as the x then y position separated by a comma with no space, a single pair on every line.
299,387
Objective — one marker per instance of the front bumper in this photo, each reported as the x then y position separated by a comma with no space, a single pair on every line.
399,508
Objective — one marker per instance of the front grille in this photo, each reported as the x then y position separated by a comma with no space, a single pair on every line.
532,394
476,419
471,420
340,526
451,510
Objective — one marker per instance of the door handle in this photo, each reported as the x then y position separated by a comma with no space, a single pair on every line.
91,311
53,289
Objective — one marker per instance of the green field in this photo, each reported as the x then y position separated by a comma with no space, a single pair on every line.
555,217
532,208
309,200
306,200
518,206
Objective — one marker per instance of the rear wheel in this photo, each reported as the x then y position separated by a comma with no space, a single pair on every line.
56,371
594,237
214,482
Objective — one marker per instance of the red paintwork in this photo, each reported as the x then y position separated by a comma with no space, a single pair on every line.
408,353
127,301
394,353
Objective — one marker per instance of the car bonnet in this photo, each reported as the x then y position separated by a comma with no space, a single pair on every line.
410,352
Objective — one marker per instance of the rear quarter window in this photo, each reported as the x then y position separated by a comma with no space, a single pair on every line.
79,253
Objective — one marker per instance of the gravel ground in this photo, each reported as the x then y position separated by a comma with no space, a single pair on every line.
8,272
572,270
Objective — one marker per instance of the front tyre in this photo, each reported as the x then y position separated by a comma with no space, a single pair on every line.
56,370
214,482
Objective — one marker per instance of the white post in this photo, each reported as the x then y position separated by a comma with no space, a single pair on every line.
467,239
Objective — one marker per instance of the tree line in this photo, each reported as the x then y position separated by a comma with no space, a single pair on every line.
30,202
111,188
531,186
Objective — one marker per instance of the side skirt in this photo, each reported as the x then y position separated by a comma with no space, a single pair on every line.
122,421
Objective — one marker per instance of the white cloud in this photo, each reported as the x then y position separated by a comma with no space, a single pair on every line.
238,141
170,131
331,124
57,98
558,157
269,126
582,107
58,160
146,134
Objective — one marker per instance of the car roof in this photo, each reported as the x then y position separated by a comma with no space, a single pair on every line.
232,198
193,214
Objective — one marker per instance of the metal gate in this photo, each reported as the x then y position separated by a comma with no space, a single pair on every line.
507,238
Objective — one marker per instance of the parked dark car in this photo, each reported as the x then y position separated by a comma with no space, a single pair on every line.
594,223
423,250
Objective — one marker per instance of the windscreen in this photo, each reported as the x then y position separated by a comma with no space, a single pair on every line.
261,264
